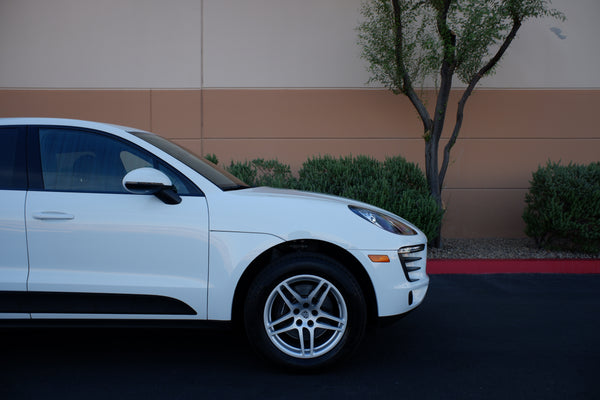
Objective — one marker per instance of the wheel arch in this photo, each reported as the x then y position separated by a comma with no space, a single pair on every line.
304,246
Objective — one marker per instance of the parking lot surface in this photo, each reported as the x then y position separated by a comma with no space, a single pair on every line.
501,336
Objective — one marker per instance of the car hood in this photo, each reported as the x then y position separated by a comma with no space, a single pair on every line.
292,215
269,192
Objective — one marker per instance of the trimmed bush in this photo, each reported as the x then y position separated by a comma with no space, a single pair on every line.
563,207
394,185
212,158
261,172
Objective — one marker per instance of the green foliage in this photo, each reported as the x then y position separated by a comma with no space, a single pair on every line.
261,172
563,207
394,185
414,41
212,158
417,55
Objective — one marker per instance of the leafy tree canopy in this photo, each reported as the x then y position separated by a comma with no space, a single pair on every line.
467,32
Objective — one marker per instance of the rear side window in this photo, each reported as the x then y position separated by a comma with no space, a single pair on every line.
13,174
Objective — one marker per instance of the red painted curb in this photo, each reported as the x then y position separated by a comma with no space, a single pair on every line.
535,266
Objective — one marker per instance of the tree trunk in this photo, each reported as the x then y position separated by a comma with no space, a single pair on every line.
431,169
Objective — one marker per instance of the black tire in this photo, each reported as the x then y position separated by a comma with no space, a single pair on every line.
305,312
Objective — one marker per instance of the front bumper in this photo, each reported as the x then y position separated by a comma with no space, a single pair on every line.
401,284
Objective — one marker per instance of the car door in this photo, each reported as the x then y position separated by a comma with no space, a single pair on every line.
13,243
97,251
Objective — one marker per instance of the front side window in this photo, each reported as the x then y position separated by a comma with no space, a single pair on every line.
82,161
13,175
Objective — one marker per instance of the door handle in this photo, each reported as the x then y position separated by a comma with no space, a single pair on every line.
52,215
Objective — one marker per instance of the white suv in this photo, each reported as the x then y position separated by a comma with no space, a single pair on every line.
103,223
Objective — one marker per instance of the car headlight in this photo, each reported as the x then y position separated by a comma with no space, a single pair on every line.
383,221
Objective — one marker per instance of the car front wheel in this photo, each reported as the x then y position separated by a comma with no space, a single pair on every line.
305,312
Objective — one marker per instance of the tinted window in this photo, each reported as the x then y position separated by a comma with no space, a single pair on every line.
13,175
83,161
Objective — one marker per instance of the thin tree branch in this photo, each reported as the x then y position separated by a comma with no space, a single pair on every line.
407,87
446,73
476,78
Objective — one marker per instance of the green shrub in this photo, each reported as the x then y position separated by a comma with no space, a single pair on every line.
261,172
212,158
394,185
563,207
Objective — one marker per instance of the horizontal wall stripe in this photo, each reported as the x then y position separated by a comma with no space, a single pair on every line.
379,113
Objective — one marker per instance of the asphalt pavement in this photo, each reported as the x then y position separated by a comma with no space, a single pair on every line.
503,336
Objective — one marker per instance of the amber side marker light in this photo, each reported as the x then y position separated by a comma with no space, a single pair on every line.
379,258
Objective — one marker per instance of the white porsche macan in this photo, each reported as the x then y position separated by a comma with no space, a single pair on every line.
103,223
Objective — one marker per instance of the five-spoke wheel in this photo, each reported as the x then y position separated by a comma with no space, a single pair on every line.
305,316
305,312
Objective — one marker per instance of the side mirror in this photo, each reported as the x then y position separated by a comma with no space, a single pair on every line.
151,181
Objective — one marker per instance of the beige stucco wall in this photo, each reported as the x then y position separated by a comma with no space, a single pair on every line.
248,44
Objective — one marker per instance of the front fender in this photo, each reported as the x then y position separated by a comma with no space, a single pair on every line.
230,253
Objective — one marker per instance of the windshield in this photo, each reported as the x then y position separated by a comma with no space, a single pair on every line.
217,175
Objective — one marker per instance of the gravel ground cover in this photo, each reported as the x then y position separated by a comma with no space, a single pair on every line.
522,248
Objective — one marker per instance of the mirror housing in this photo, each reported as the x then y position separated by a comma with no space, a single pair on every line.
151,181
